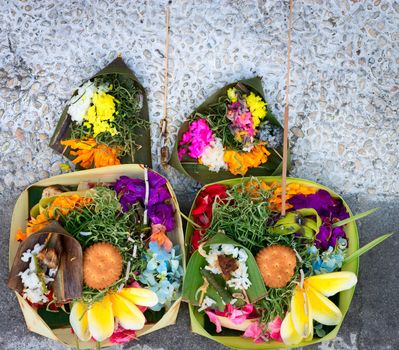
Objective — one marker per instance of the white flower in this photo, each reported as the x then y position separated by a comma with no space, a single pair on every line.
81,102
213,156
207,303
239,278
52,272
37,248
29,279
229,249
212,260
242,255
32,284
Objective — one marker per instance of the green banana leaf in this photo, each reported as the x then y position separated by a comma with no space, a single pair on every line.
194,279
236,342
199,172
142,155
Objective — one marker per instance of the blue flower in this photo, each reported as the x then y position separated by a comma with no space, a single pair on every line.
329,260
163,274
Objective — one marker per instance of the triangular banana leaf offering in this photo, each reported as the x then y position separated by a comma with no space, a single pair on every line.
53,259
106,121
259,280
100,259
232,134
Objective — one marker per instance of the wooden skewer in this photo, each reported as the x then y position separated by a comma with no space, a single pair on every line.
286,114
164,121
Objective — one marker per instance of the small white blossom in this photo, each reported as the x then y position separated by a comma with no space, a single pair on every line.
207,303
32,284
80,103
213,156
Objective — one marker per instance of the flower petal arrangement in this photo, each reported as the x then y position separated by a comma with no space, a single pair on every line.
260,280
232,134
100,260
106,121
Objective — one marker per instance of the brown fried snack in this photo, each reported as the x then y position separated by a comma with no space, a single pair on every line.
276,264
228,265
102,265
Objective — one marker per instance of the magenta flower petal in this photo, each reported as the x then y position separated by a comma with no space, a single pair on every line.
214,319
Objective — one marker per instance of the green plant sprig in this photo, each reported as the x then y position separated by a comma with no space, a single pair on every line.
245,215
127,116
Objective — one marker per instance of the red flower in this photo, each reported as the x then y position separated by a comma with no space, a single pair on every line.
202,212
122,335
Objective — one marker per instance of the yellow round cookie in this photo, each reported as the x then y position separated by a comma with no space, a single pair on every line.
276,264
102,265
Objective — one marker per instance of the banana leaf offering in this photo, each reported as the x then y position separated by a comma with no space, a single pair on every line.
106,121
100,261
232,134
260,280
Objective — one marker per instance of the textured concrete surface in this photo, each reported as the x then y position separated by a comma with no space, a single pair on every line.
343,125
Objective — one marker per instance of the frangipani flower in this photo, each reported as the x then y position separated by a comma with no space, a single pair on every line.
310,303
98,321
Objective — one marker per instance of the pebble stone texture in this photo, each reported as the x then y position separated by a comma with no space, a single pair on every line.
344,122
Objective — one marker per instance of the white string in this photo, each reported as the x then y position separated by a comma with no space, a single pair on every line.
147,194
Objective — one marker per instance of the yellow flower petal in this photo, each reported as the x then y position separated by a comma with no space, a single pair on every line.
127,313
329,284
323,309
101,319
79,322
288,333
140,296
301,312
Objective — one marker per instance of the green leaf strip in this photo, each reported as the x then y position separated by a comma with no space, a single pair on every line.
367,247
355,217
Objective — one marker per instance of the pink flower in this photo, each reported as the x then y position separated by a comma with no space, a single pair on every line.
274,329
244,121
197,138
214,319
122,335
261,333
238,316
181,152
255,332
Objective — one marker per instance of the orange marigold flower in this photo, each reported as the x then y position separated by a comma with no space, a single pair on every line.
20,236
61,205
238,163
292,190
88,152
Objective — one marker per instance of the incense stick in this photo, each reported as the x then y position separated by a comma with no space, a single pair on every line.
286,114
164,121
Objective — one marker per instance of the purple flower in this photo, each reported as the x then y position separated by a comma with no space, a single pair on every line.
330,209
328,236
155,179
163,214
131,190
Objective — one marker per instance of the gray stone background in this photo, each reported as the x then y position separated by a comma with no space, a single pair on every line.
344,122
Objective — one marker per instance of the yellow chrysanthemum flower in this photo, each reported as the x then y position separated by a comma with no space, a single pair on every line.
101,114
311,303
98,321
257,108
